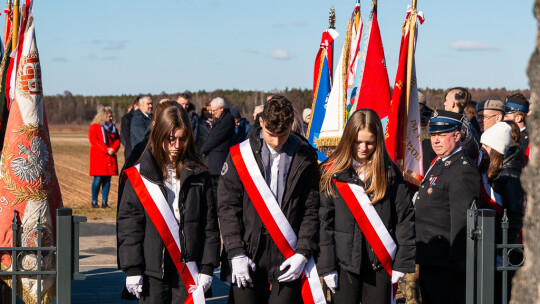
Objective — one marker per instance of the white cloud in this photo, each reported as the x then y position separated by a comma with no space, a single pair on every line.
462,45
281,54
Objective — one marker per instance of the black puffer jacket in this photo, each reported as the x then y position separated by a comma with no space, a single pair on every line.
341,239
140,247
508,185
241,225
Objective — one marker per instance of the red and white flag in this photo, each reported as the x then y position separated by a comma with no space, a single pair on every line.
373,87
28,182
403,129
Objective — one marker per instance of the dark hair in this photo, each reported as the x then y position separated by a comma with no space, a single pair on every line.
518,95
136,100
470,110
462,97
278,114
341,158
495,164
516,132
167,121
186,95
204,108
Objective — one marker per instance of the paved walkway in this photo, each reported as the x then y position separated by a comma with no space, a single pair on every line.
104,282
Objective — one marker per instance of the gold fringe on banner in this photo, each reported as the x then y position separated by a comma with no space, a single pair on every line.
328,141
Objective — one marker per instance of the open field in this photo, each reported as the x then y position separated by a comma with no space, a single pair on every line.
71,150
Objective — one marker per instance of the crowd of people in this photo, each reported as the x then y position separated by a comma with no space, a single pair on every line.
284,218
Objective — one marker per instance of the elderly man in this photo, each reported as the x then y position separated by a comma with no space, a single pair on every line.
125,128
490,112
449,187
217,144
141,121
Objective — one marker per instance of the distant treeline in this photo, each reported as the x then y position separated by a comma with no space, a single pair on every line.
77,109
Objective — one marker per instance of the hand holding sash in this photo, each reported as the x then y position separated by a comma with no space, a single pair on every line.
205,282
396,276
240,270
296,264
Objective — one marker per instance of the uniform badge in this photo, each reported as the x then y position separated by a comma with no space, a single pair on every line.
225,168
429,190
447,163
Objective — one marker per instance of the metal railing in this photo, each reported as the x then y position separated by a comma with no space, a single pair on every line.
481,252
66,250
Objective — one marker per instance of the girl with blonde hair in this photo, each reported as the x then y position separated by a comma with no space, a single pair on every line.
350,257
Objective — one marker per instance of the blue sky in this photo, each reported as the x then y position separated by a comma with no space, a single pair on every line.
103,47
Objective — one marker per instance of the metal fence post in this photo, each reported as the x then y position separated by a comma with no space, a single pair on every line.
472,236
63,255
485,256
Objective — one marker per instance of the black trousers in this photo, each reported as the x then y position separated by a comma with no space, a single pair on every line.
370,286
167,291
261,291
215,182
440,285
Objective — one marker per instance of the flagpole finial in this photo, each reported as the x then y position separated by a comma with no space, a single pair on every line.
332,18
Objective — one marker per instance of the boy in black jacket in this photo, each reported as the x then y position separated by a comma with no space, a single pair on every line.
288,164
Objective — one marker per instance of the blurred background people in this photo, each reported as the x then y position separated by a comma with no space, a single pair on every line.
184,100
242,127
104,143
516,109
125,127
140,121
218,142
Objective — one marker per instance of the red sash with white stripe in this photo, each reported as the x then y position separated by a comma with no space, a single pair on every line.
273,218
371,224
492,198
162,217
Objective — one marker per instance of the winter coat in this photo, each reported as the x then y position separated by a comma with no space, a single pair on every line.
125,133
101,163
241,225
508,185
341,238
140,247
140,126
218,142
441,203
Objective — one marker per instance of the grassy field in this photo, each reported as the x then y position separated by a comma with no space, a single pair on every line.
71,150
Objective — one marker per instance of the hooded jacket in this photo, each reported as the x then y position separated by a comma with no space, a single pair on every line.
140,247
341,239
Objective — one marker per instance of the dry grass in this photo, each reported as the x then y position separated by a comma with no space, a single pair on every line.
71,150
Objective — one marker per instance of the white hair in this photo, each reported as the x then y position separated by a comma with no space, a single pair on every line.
143,98
218,102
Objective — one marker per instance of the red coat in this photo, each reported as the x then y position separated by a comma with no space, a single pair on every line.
101,163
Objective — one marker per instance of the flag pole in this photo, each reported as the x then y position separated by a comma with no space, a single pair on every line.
410,54
15,25
6,22
332,25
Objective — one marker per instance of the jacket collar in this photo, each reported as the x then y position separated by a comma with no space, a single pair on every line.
150,169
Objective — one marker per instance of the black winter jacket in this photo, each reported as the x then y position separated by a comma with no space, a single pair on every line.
508,185
240,223
141,249
341,238
218,142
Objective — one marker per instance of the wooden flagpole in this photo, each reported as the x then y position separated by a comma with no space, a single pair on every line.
6,22
410,54
15,25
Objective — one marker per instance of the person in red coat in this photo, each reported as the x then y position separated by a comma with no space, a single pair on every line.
104,143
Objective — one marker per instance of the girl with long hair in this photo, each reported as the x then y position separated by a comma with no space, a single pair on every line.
104,143
155,274
350,259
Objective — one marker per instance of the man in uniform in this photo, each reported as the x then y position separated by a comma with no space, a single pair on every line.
285,166
449,187
516,109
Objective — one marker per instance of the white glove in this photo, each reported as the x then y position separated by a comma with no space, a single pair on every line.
240,270
205,282
331,281
396,276
134,285
296,265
